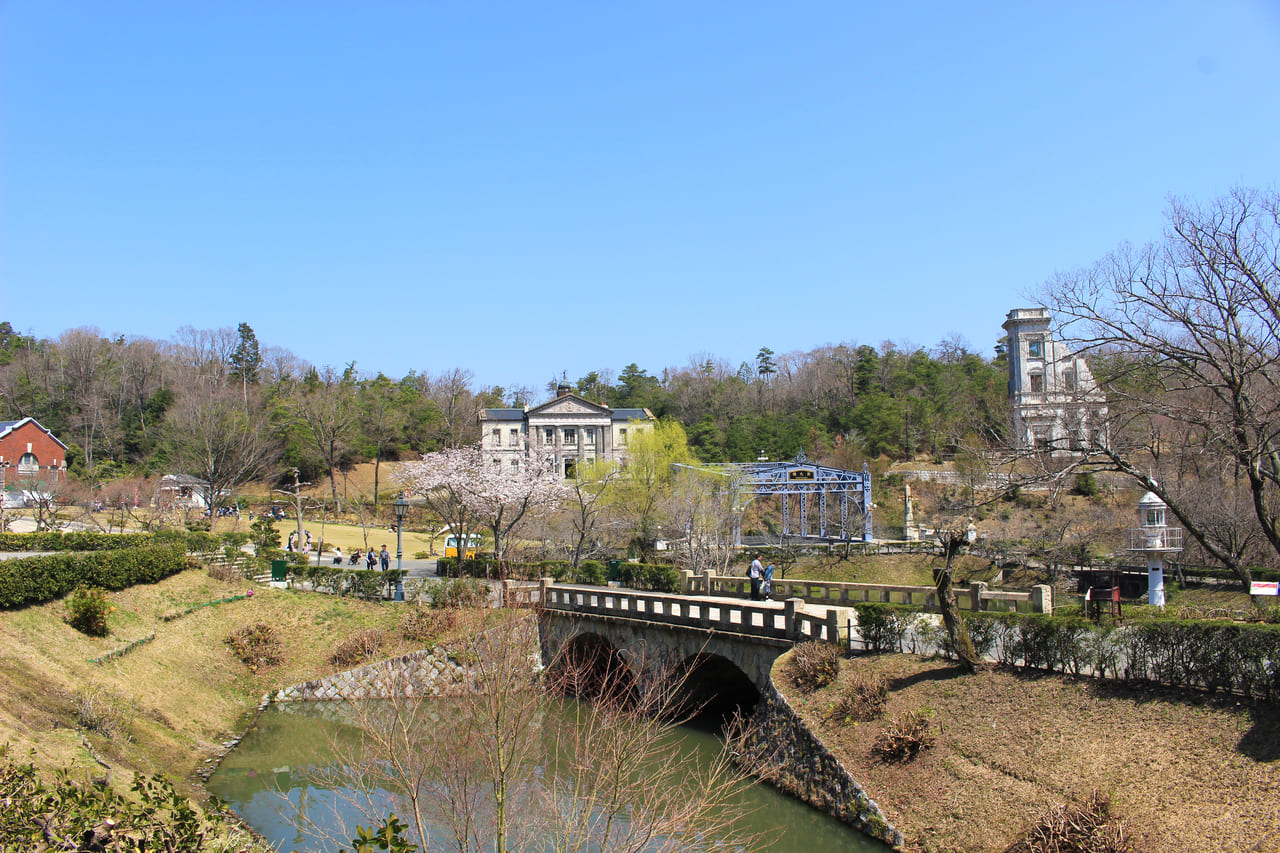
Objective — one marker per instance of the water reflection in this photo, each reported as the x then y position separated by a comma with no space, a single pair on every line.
294,769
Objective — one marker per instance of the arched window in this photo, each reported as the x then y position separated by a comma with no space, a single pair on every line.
1069,380
28,465
1037,383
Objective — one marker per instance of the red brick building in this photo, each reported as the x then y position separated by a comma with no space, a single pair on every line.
30,453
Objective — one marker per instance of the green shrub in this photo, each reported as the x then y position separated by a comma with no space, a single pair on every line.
881,626
460,592
649,578
814,665
87,609
592,572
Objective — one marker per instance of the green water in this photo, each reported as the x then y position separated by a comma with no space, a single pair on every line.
277,770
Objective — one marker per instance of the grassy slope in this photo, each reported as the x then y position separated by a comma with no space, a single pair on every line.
181,695
1186,773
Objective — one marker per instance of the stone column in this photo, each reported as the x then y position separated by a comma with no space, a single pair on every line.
1042,598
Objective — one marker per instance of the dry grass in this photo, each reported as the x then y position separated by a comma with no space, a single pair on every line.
1085,827
186,691
358,649
1183,773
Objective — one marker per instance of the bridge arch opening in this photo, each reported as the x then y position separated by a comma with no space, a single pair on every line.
590,667
714,690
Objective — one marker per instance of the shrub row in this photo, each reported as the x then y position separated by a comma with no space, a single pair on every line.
35,580
124,650
361,583
193,541
642,576
1225,657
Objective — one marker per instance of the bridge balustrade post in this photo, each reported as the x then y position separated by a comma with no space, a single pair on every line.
686,582
978,588
789,608
709,580
544,590
833,625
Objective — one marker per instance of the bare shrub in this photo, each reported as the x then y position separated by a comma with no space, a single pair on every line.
861,699
903,738
256,645
1087,827
101,712
421,625
226,572
358,649
814,665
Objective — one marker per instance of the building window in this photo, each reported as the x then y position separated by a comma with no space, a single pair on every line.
514,439
1035,347
1037,383
549,435
496,437
28,465
1069,380
622,436
570,436
515,464
589,436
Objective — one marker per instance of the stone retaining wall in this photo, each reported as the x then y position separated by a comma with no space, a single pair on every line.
783,752
425,673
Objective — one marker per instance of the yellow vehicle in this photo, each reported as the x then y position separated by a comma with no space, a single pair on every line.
451,545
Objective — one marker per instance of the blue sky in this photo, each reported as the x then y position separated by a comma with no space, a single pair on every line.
526,189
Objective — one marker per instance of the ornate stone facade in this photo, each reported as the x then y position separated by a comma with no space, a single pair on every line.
569,428
1056,405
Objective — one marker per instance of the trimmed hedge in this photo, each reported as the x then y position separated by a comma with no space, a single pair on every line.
649,577
1228,657
482,566
89,541
35,580
361,583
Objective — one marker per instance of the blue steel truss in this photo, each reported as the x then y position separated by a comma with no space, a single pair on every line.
803,480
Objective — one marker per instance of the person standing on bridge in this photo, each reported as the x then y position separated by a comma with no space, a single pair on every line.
754,573
766,588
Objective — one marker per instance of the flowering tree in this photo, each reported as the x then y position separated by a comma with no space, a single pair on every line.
469,492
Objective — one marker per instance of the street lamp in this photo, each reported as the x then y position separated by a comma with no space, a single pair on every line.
402,509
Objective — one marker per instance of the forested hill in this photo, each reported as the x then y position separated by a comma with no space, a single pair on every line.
141,406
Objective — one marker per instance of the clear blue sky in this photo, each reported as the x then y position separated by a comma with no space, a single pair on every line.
523,189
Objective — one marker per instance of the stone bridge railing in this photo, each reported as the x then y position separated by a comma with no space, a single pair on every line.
789,621
1038,599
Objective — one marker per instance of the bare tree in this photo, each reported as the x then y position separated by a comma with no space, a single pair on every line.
508,767
328,417
1190,327
218,440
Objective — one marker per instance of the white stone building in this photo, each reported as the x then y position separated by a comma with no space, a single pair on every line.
1056,404
571,429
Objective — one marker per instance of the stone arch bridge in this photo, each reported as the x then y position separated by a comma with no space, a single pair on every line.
726,646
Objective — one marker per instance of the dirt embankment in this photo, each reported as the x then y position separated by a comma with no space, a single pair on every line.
1183,772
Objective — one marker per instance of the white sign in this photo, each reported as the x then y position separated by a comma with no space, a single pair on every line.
1264,588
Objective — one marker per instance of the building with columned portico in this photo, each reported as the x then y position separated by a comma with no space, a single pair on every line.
569,428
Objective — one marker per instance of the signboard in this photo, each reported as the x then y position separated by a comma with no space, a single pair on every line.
801,475
1264,588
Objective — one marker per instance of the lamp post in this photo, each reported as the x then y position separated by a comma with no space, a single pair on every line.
402,509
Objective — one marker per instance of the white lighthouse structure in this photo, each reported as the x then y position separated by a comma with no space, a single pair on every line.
1154,539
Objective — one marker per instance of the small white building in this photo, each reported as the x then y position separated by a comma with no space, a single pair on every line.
568,427
183,490
1055,403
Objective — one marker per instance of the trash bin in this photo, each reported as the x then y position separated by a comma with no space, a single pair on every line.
279,570
615,571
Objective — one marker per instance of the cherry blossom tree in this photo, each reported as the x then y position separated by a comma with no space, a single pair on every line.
469,492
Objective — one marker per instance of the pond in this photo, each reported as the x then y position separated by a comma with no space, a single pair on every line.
297,759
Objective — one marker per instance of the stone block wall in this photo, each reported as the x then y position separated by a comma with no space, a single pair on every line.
782,751
425,673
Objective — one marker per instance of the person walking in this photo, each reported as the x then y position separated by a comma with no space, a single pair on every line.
371,559
766,586
385,556
754,573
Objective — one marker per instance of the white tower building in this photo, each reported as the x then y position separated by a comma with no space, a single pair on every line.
1056,405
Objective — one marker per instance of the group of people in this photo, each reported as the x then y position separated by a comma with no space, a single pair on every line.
761,580
371,557
294,545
